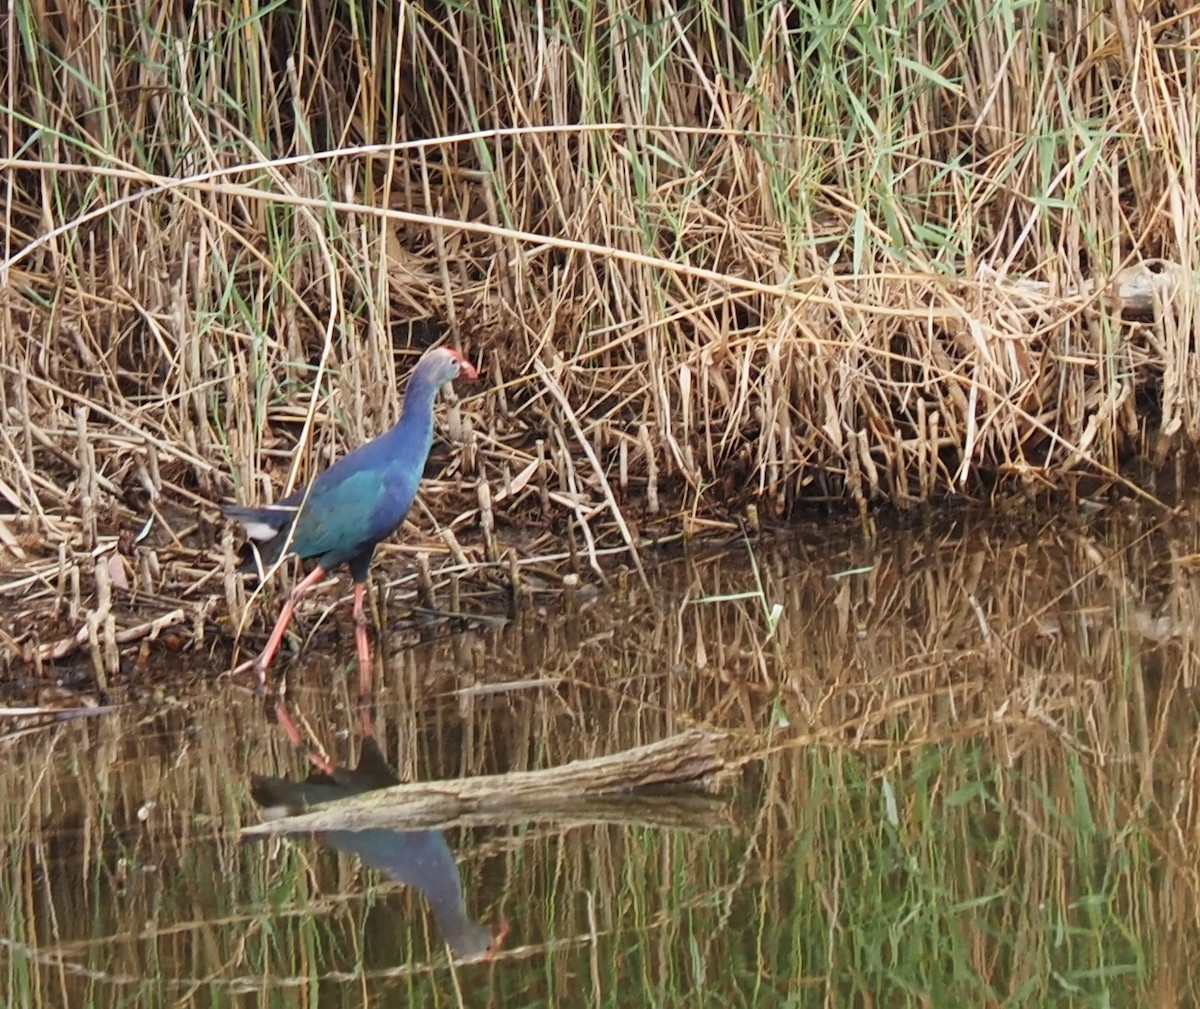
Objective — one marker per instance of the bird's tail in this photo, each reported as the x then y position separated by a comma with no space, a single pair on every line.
266,529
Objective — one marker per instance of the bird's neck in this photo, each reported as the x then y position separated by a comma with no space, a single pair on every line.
418,401
455,926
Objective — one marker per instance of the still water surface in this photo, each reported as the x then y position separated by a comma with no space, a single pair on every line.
976,788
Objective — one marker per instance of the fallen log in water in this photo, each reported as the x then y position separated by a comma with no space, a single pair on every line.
582,791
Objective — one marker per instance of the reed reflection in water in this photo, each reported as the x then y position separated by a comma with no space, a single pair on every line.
971,782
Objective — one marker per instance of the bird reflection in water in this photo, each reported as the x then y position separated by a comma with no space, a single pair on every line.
417,858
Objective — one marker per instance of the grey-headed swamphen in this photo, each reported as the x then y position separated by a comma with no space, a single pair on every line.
361,499
418,858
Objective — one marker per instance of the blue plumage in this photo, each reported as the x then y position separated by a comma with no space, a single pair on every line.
361,499
418,858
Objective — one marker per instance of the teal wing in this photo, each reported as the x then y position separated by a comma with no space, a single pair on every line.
339,515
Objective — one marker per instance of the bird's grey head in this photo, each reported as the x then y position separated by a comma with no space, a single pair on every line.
470,942
444,364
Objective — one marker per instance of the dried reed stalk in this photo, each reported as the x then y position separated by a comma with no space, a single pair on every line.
707,269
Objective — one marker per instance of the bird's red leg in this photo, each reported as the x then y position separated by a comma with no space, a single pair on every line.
363,645
498,938
261,661
303,746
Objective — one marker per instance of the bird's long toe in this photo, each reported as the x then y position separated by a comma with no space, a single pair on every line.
256,666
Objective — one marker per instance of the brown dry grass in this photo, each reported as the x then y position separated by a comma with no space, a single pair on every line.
707,258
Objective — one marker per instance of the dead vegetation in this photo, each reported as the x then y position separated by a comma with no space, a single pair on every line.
709,260
1026,699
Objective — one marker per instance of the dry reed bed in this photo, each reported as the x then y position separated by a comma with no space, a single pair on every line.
707,260
1044,666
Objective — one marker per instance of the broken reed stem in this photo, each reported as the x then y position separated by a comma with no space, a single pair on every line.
498,383
651,469
455,548
75,609
569,584
573,549
517,584
148,569
61,596
234,594
487,520
87,479
101,626
424,580
543,477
